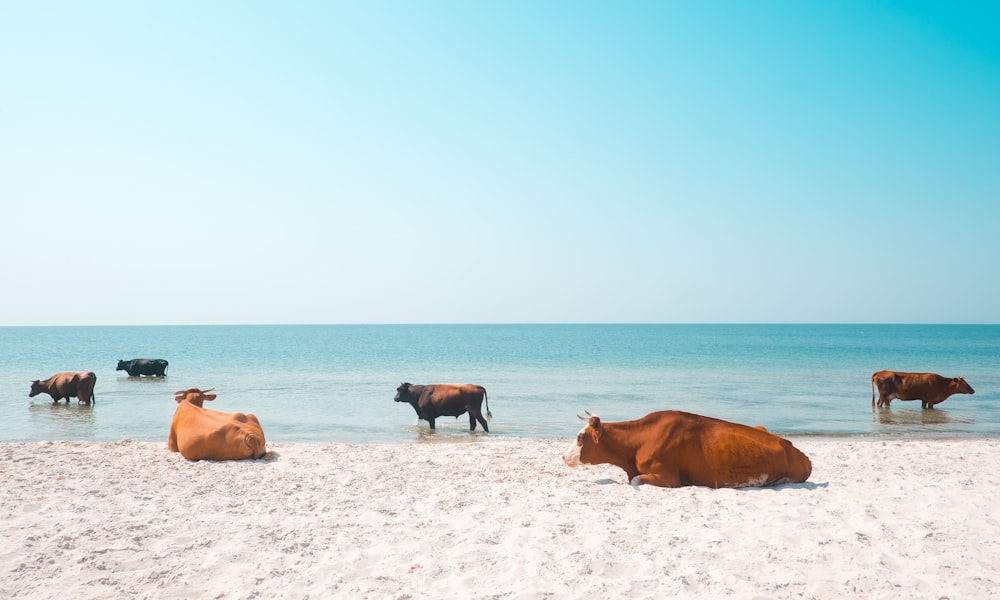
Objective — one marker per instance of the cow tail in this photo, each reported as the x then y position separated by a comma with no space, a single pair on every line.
873,391
489,415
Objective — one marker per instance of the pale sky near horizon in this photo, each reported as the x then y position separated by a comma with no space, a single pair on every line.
499,162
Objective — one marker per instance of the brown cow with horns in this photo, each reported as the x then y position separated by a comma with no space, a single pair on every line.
929,388
671,448
203,434
67,385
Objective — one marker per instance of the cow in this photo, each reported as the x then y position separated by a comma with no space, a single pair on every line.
137,367
446,400
203,434
929,388
672,449
67,385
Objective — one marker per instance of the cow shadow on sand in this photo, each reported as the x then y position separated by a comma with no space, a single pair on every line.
806,485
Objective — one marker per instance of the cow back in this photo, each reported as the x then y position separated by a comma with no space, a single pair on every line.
450,399
710,452
724,454
70,384
205,434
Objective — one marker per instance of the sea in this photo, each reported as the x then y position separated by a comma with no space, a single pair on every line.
323,383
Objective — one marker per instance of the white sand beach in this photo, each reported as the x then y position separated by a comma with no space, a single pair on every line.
491,517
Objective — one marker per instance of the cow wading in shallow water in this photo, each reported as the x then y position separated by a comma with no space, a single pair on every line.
67,385
929,388
137,367
446,400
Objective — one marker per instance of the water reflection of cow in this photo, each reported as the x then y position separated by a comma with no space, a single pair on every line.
137,367
917,418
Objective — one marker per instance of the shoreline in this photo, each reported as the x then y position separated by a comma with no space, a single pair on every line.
491,517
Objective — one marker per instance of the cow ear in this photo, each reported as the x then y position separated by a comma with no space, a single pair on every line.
594,428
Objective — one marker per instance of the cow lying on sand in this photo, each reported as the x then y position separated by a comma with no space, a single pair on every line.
203,434
929,388
67,385
446,400
673,449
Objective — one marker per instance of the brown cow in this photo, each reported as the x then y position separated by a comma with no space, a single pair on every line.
672,449
446,400
203,434
67,385
929,388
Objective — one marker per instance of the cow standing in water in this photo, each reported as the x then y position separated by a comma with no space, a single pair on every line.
137,367
67,385
929,388
671,448
446,400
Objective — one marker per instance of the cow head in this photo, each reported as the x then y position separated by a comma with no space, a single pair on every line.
122,365
403,393
588,437
36,389
194,396
961,386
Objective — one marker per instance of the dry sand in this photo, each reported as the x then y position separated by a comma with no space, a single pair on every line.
491,518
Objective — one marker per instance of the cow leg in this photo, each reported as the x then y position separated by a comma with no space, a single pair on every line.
670,480
472,422
482,421
431,421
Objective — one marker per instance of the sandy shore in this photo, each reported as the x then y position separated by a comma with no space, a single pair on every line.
491,518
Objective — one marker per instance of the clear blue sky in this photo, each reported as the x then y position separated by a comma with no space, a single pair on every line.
493,162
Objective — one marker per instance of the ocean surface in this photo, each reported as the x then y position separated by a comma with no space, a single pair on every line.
337,382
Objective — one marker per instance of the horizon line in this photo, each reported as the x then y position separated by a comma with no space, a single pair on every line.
517,323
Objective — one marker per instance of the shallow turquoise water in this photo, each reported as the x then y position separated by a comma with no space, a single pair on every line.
336,382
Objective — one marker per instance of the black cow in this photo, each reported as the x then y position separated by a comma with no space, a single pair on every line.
153,367
446,400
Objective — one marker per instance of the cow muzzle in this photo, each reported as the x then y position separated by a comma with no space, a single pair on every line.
572,455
